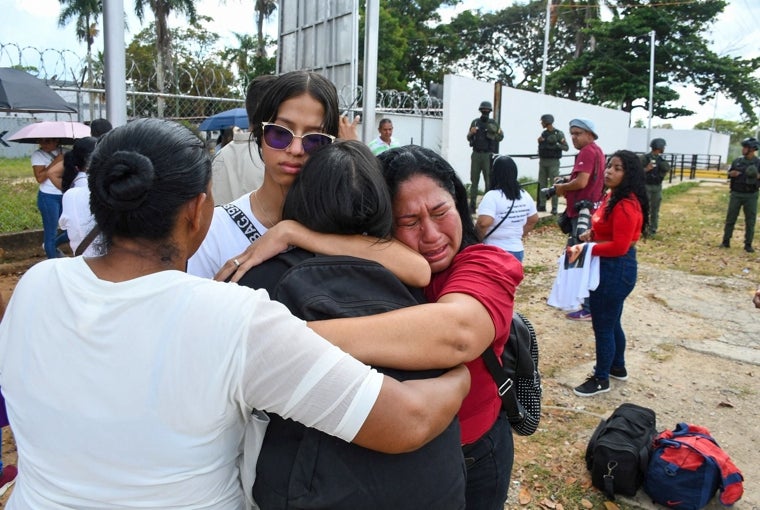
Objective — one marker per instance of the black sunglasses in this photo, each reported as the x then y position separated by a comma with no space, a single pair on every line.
279,137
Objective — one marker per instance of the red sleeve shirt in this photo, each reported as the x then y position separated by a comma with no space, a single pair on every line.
490,275
615,234
590,160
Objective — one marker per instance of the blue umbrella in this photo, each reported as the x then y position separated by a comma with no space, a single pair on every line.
235,117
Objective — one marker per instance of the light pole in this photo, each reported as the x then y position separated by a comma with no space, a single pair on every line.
651,85
546,44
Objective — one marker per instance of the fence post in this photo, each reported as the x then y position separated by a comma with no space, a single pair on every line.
693,169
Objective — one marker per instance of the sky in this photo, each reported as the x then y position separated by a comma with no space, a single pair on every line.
35,23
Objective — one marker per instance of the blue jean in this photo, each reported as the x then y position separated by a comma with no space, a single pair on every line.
489,467
50,209
617,277
518,254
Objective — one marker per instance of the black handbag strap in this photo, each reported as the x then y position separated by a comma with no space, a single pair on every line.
500,222
242,221
87,241
505,387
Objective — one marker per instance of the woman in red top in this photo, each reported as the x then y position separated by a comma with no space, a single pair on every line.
474,281
470,304
615,227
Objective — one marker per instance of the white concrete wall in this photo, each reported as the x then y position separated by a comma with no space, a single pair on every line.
681,141
520,119
412,129
9,124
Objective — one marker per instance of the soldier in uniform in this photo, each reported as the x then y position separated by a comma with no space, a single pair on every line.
656,169
744,185
551,143
484,137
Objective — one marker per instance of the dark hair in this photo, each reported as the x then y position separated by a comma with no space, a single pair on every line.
402,163
293,84
99,127
140,176
256,89
504,177
341,190
633,183
76,160
225,136
383,122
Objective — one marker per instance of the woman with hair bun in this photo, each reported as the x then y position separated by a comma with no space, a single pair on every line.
135,388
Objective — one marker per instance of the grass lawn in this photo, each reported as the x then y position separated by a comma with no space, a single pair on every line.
18,196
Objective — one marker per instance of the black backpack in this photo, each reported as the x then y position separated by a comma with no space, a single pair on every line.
618,452
300,467
517,377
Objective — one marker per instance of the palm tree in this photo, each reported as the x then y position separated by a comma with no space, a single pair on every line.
264,9
86,13
161,10
240,56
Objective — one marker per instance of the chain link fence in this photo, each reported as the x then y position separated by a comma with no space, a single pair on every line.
195,91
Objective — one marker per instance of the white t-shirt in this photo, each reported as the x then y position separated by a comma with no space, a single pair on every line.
76,218
575,281
508,236
136,394
236,169
224,240
378,145
42,158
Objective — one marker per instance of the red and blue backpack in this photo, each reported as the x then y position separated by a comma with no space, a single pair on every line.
688,466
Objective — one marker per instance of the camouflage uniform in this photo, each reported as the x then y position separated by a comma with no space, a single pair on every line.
484,143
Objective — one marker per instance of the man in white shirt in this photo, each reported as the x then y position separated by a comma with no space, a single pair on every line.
385,141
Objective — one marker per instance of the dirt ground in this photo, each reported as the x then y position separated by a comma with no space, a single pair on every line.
693,350
693,356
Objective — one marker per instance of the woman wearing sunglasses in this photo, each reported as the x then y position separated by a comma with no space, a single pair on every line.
298,114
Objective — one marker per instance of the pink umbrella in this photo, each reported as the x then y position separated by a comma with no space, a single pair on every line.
66,131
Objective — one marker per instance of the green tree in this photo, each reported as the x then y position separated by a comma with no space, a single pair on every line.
161,10
247,59
505,45
201,71
408,34
264,9
86,13
614,70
